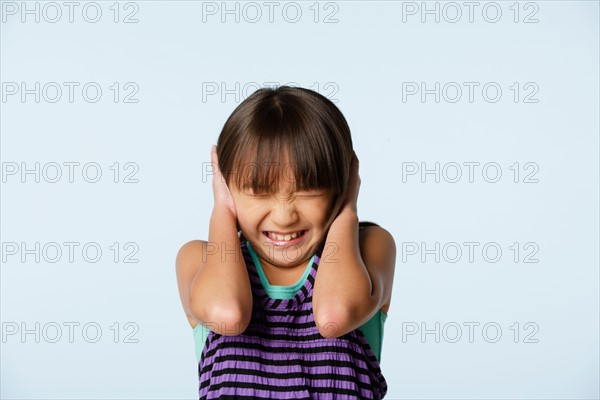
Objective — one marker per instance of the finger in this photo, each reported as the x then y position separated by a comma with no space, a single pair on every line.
213,152
215,160
217,170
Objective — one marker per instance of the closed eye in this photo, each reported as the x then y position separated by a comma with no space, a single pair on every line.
303,194
311,193
249,192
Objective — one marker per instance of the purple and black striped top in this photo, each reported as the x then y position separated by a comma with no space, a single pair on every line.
282,355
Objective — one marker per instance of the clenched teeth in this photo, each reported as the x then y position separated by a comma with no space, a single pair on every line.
286,238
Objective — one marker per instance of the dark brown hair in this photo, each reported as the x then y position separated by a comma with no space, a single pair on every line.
305,125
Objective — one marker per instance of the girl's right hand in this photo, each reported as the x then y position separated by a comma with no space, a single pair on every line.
222,195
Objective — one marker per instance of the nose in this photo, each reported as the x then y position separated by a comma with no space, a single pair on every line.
283,212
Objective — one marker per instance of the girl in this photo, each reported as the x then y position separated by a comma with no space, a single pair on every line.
289,295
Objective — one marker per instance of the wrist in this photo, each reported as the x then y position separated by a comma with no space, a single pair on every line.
223,215
347,215
349,212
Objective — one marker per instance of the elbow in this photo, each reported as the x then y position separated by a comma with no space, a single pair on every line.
197,311
231,321
227,321
330,323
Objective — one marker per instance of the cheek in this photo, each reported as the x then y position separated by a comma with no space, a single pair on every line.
249,212
318,212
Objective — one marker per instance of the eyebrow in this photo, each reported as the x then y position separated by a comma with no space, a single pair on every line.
318,190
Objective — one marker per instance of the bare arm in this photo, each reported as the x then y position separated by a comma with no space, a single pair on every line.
187,264
213,281
354,280
356,271
220,294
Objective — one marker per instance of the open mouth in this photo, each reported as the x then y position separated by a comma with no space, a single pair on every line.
292,238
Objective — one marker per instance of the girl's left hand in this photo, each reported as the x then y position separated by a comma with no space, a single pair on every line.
353,188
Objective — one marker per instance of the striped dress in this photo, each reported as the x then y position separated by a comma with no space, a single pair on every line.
282,355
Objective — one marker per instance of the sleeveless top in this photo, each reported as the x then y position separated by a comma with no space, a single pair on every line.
282,355
372,329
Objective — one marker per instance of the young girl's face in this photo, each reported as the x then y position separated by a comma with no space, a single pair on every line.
269,222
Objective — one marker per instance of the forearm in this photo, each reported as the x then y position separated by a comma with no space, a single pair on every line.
221,296
342,278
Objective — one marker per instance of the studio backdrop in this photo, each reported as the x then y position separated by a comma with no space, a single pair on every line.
476,126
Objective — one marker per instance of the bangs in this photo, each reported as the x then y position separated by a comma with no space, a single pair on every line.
287,139
280,151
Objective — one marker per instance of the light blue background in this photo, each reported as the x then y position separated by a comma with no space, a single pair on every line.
365,56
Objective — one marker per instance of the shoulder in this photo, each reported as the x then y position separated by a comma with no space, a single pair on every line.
190,252
188,262
378,250
377,245
376,242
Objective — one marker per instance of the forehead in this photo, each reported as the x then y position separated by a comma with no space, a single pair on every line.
281,167
286,181
275,172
